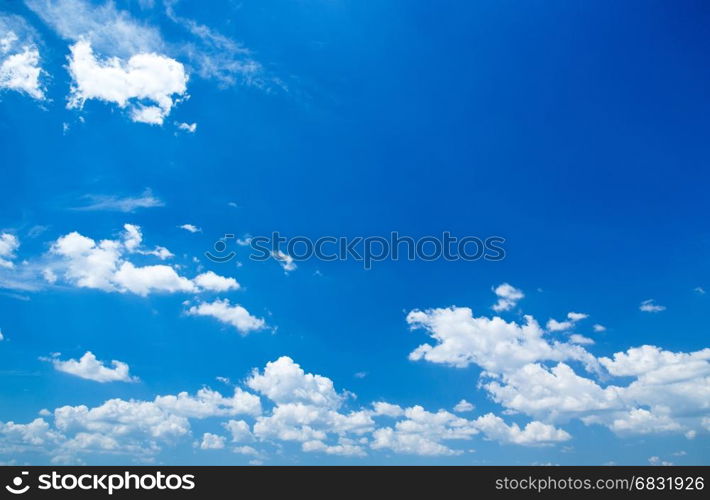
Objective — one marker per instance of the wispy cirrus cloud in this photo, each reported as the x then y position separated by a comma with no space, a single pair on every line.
115,203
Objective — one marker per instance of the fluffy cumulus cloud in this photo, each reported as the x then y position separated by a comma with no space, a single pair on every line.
147,84
284,381
302,408
20,69
640,391
106,265
494,344
90,368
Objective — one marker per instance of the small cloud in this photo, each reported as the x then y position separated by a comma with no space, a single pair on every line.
232,204
658,461
508,297
699,290
651,306
580,339
36,230
285,260
128,204
234,315
212,441
464,406
90,368
360,375
187,127
599,328
572,317
558,326
191,228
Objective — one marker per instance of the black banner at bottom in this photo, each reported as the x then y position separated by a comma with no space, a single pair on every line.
234,482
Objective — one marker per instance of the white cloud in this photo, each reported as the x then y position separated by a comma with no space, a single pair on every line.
8,246
216,56
599,328
345,447
20,69
142,78
657,461
463,406
215,283
307,409
508,297
88,367
190,228
284,381
285,260
534,433
654,365
236,316
651,306
527,373
142,427
576,338
18,436
105,265
88,264
148,279
110,30
239,431
126,204
208,403
557,326
187,127
492,343
387,409
699,290
212,441
575,316
572,318
424,433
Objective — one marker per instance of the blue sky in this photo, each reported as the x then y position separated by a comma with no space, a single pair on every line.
576,131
